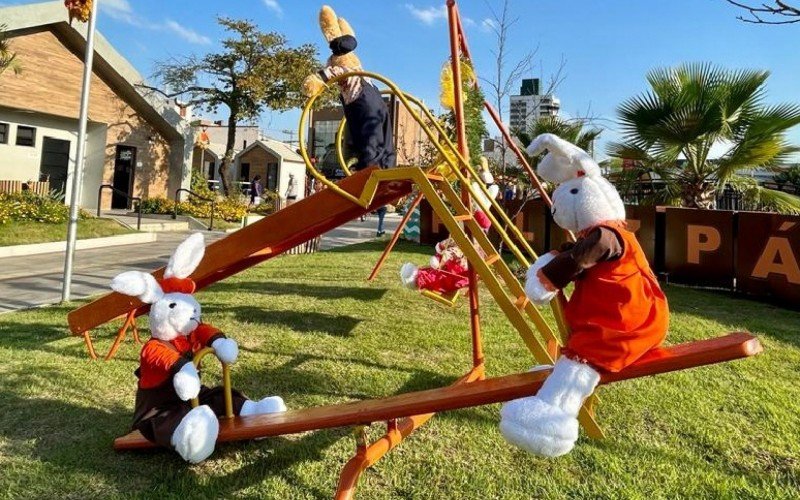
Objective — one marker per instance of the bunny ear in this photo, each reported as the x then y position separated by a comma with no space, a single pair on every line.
186,257
137,284
553,144
345,28
329,23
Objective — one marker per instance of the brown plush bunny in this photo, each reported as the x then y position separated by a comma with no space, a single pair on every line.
368,118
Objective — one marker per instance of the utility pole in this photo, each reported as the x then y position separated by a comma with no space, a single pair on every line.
80,159
290,133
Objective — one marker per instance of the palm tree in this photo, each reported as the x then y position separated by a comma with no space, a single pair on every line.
672,128
8,59
569,130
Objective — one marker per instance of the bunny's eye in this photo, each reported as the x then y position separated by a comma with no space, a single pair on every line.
574,190
172,306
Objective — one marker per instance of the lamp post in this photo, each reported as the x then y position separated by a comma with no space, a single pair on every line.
80,159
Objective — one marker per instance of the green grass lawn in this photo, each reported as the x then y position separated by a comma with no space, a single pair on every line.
312,330
23,233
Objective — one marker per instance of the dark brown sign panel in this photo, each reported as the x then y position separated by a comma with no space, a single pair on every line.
768,256
642,222
699,247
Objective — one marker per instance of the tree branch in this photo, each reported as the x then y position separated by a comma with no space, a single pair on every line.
781,10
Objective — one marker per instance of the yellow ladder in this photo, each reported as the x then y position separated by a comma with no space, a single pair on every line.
501,282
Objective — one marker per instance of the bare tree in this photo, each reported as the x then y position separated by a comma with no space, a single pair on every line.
779,12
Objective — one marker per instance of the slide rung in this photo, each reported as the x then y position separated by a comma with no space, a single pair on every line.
435,177
492,259
522,301
462,218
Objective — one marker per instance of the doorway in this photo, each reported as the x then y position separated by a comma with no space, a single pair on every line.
124,164
55,163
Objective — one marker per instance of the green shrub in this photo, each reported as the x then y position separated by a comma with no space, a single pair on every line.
27,206
226,209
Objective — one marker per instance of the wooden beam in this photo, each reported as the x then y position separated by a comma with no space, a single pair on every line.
494,390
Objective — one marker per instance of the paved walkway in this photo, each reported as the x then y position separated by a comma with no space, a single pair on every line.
35,280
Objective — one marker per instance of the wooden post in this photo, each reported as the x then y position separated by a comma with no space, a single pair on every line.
461,136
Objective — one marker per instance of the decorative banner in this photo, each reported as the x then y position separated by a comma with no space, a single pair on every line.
699,247
412,230
768,256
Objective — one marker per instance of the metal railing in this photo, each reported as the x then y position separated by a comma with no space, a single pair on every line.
127,196
192,193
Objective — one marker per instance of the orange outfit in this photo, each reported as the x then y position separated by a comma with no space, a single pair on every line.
617,311
159,360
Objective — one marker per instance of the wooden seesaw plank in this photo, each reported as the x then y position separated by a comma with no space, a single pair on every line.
662,360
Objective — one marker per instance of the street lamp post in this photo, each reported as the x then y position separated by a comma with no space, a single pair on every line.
80,159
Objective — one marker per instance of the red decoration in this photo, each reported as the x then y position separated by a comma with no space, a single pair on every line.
79,9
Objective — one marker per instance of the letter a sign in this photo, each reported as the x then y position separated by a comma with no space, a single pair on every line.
769,256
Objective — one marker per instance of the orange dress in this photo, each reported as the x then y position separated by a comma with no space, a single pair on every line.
617,311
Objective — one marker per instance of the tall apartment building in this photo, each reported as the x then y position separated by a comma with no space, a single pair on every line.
530,105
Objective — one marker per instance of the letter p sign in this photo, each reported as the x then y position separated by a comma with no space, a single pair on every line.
700,239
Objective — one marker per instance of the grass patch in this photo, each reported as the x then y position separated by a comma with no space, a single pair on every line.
312,330
24,233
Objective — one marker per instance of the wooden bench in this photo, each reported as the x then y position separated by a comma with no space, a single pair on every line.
495,390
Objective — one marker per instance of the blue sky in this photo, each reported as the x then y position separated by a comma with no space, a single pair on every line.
608,45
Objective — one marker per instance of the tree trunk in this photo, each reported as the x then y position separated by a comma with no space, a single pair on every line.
230,144
699,195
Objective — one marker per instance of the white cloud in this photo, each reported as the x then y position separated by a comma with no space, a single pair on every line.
187,34
120,10
427,15
274,6
488,25
468,21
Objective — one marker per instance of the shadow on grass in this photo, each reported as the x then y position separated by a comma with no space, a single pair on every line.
37,336
378,246
302,290
736,313
297,321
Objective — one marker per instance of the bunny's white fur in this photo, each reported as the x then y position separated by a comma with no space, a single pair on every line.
138,284
186,257
563,160
585,202
534,288
196,436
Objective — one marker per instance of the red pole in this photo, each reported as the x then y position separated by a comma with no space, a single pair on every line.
456,41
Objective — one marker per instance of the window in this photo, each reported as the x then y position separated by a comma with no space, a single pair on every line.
26,136
272,176
4,133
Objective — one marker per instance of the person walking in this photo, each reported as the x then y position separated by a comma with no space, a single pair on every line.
256,191
381,214
291,190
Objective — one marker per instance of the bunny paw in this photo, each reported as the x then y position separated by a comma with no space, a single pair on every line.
195,437
538,427
226,350
272,404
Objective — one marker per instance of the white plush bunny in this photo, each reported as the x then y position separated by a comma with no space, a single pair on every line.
167,377
617,311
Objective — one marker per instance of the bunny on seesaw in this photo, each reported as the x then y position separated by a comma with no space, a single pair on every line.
168,379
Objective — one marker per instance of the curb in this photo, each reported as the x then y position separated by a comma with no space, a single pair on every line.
61,246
